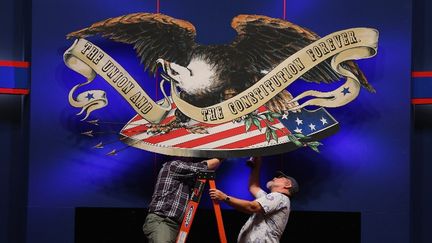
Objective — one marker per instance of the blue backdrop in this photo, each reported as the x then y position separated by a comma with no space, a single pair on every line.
363,168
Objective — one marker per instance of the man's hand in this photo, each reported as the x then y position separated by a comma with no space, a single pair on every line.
254,162
215,194
213,164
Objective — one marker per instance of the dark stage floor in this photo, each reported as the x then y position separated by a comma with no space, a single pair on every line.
124,225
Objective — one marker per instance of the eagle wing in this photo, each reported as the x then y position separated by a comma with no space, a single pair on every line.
265,42
153,36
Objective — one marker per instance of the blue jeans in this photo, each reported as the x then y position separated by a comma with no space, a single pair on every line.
160,229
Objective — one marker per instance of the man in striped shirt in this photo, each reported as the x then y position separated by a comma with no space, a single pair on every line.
171,194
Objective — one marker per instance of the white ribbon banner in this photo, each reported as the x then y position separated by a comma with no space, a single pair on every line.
350,44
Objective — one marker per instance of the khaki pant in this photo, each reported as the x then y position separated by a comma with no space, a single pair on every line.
159,229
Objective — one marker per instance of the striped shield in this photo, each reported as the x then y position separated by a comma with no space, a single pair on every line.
232,139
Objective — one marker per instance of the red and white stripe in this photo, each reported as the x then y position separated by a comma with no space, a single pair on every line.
220,136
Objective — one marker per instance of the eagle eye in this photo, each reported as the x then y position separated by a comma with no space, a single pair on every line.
174,72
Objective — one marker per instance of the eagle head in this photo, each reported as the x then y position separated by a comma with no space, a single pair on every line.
197,78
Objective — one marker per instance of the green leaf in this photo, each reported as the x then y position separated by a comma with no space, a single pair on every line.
298,143
276,115
315,143
274,135
293,139
299,135
257,123
267,133
270,118
248,123
314,148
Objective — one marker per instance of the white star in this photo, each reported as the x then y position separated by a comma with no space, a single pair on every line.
312,127
298,130
298,121
285,116
323,120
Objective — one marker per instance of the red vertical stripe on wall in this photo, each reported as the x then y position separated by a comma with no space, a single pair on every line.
281,156
155,158
157,79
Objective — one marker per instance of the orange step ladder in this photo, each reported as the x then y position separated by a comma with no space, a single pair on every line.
202,178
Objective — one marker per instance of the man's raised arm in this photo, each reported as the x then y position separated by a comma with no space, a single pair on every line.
213,164
254,185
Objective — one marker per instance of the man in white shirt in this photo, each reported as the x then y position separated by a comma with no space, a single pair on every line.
270,211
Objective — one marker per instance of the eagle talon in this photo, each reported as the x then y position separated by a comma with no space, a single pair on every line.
155,129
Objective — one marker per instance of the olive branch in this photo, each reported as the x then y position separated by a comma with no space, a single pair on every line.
297,138
254,119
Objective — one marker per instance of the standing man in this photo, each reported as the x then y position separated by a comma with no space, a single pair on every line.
171,194
269,211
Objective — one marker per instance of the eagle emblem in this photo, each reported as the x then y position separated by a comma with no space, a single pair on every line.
209,74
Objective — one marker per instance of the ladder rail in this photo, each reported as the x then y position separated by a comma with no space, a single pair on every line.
218,213
202,178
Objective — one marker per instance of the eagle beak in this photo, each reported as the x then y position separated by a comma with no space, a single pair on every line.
165,67
161,62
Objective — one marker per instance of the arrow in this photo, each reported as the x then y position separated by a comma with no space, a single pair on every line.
112,153
99,145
